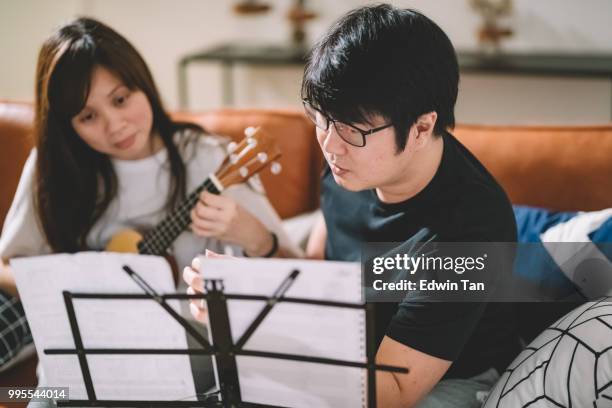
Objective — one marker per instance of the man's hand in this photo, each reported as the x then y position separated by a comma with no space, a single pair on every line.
191,275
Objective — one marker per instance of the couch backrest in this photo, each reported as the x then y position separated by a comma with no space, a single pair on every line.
559,167
565,168
15,144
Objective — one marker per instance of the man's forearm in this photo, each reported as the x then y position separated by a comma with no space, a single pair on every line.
388,393
406,390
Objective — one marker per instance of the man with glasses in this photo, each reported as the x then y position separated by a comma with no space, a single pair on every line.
380,87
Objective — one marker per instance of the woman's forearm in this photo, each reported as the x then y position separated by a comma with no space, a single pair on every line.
7,279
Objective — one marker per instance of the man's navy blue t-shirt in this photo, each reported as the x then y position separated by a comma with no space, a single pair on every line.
462,203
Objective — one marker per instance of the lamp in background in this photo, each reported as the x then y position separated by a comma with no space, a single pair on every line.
298,15
251,7
491,33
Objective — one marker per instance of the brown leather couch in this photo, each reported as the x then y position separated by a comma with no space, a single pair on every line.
565,168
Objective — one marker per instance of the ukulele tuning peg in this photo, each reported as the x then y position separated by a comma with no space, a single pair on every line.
275,168
252,142
231,147
262,157
250,131
244,172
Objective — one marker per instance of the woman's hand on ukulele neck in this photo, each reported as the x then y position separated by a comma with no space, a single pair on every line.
222,218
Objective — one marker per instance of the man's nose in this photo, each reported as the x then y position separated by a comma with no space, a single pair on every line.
332,142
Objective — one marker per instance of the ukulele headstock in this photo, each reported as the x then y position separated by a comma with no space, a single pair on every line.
248,157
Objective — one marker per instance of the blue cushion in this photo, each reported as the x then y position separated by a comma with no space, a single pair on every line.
537,262
531,222
602,237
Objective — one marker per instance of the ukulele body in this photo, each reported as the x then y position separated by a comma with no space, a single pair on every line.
126,241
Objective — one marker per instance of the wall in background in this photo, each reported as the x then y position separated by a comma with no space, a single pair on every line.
23,27
165,30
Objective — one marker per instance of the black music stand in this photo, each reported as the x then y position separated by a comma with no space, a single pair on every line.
223,348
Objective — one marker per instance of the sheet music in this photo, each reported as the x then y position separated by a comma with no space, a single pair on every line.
297,329
105,324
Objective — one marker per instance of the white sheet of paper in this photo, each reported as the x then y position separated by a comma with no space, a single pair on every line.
301,329
105,324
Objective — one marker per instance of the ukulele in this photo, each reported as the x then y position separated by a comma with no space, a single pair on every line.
245,159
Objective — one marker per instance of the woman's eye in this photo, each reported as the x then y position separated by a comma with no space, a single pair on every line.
121,99
87,118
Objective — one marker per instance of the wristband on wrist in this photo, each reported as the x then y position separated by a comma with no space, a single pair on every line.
272,251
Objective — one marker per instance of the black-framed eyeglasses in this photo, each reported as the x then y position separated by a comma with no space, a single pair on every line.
349,133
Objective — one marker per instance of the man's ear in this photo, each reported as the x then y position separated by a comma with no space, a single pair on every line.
425,125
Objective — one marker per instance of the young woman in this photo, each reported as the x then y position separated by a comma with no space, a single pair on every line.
108,157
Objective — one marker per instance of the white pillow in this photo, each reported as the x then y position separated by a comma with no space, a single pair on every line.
567,365
299,227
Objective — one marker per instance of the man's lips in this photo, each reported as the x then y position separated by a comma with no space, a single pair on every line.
337,169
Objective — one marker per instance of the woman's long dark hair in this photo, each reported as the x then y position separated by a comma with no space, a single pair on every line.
75,183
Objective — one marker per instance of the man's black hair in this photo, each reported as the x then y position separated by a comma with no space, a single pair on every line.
388,61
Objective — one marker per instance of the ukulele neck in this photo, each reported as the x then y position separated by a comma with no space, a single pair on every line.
159,239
